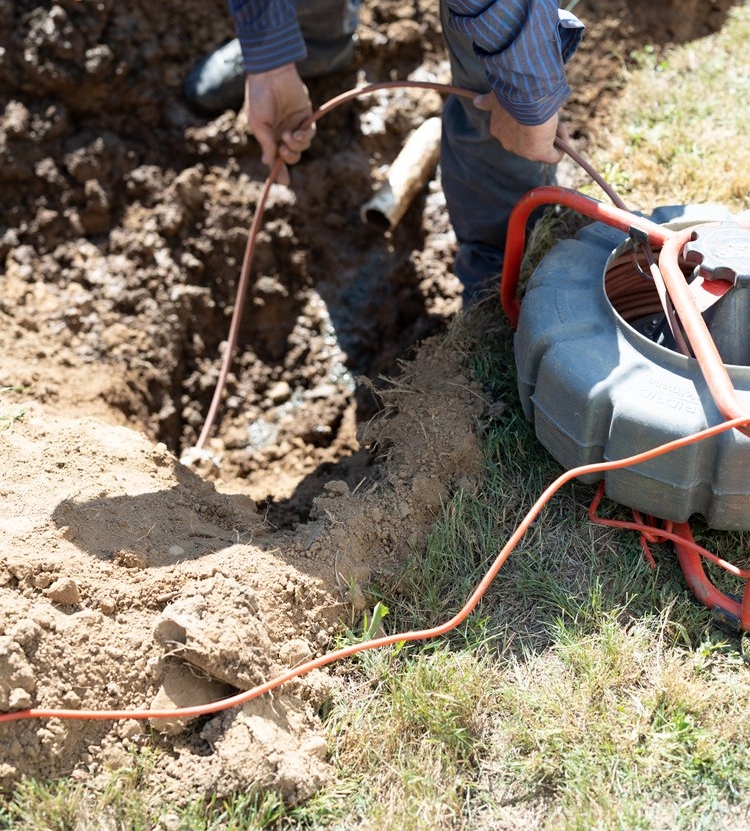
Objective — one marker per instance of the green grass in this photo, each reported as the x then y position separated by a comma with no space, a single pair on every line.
69,805
120,804
411,736
619,729
679,130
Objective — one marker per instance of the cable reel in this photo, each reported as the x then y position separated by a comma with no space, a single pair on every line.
635,333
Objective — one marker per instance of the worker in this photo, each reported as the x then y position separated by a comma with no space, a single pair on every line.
494,149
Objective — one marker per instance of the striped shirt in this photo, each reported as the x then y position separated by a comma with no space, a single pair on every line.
523,46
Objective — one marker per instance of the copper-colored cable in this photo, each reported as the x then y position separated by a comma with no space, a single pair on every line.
257,222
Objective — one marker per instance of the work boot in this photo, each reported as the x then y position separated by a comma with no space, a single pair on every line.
217,82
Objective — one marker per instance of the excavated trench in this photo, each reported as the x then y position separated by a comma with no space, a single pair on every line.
130,214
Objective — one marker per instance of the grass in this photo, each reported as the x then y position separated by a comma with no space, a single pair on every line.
119,805
680,128
587,691
67,804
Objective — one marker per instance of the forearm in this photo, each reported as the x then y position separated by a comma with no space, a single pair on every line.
268,32
523,46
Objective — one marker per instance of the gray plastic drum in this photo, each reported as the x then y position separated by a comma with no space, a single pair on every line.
596,390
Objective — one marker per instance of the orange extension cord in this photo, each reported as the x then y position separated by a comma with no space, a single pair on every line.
689,549
401,637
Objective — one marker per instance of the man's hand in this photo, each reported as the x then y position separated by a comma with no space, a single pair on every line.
535,143
276,104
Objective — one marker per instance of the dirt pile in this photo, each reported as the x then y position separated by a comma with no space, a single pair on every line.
129,582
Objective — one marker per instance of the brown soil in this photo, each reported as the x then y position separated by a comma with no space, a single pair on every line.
127,580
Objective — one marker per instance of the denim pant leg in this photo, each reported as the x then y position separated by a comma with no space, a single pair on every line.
482,181
328,27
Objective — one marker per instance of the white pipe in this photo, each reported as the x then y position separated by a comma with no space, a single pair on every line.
410,171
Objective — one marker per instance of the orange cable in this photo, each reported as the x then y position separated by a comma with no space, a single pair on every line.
653,533
388,640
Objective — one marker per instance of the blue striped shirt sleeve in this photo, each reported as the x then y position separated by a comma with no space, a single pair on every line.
523,46
269,33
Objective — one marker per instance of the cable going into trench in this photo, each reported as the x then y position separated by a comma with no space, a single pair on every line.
257,221
740,422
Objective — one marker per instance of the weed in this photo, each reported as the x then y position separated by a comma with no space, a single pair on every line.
16,413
